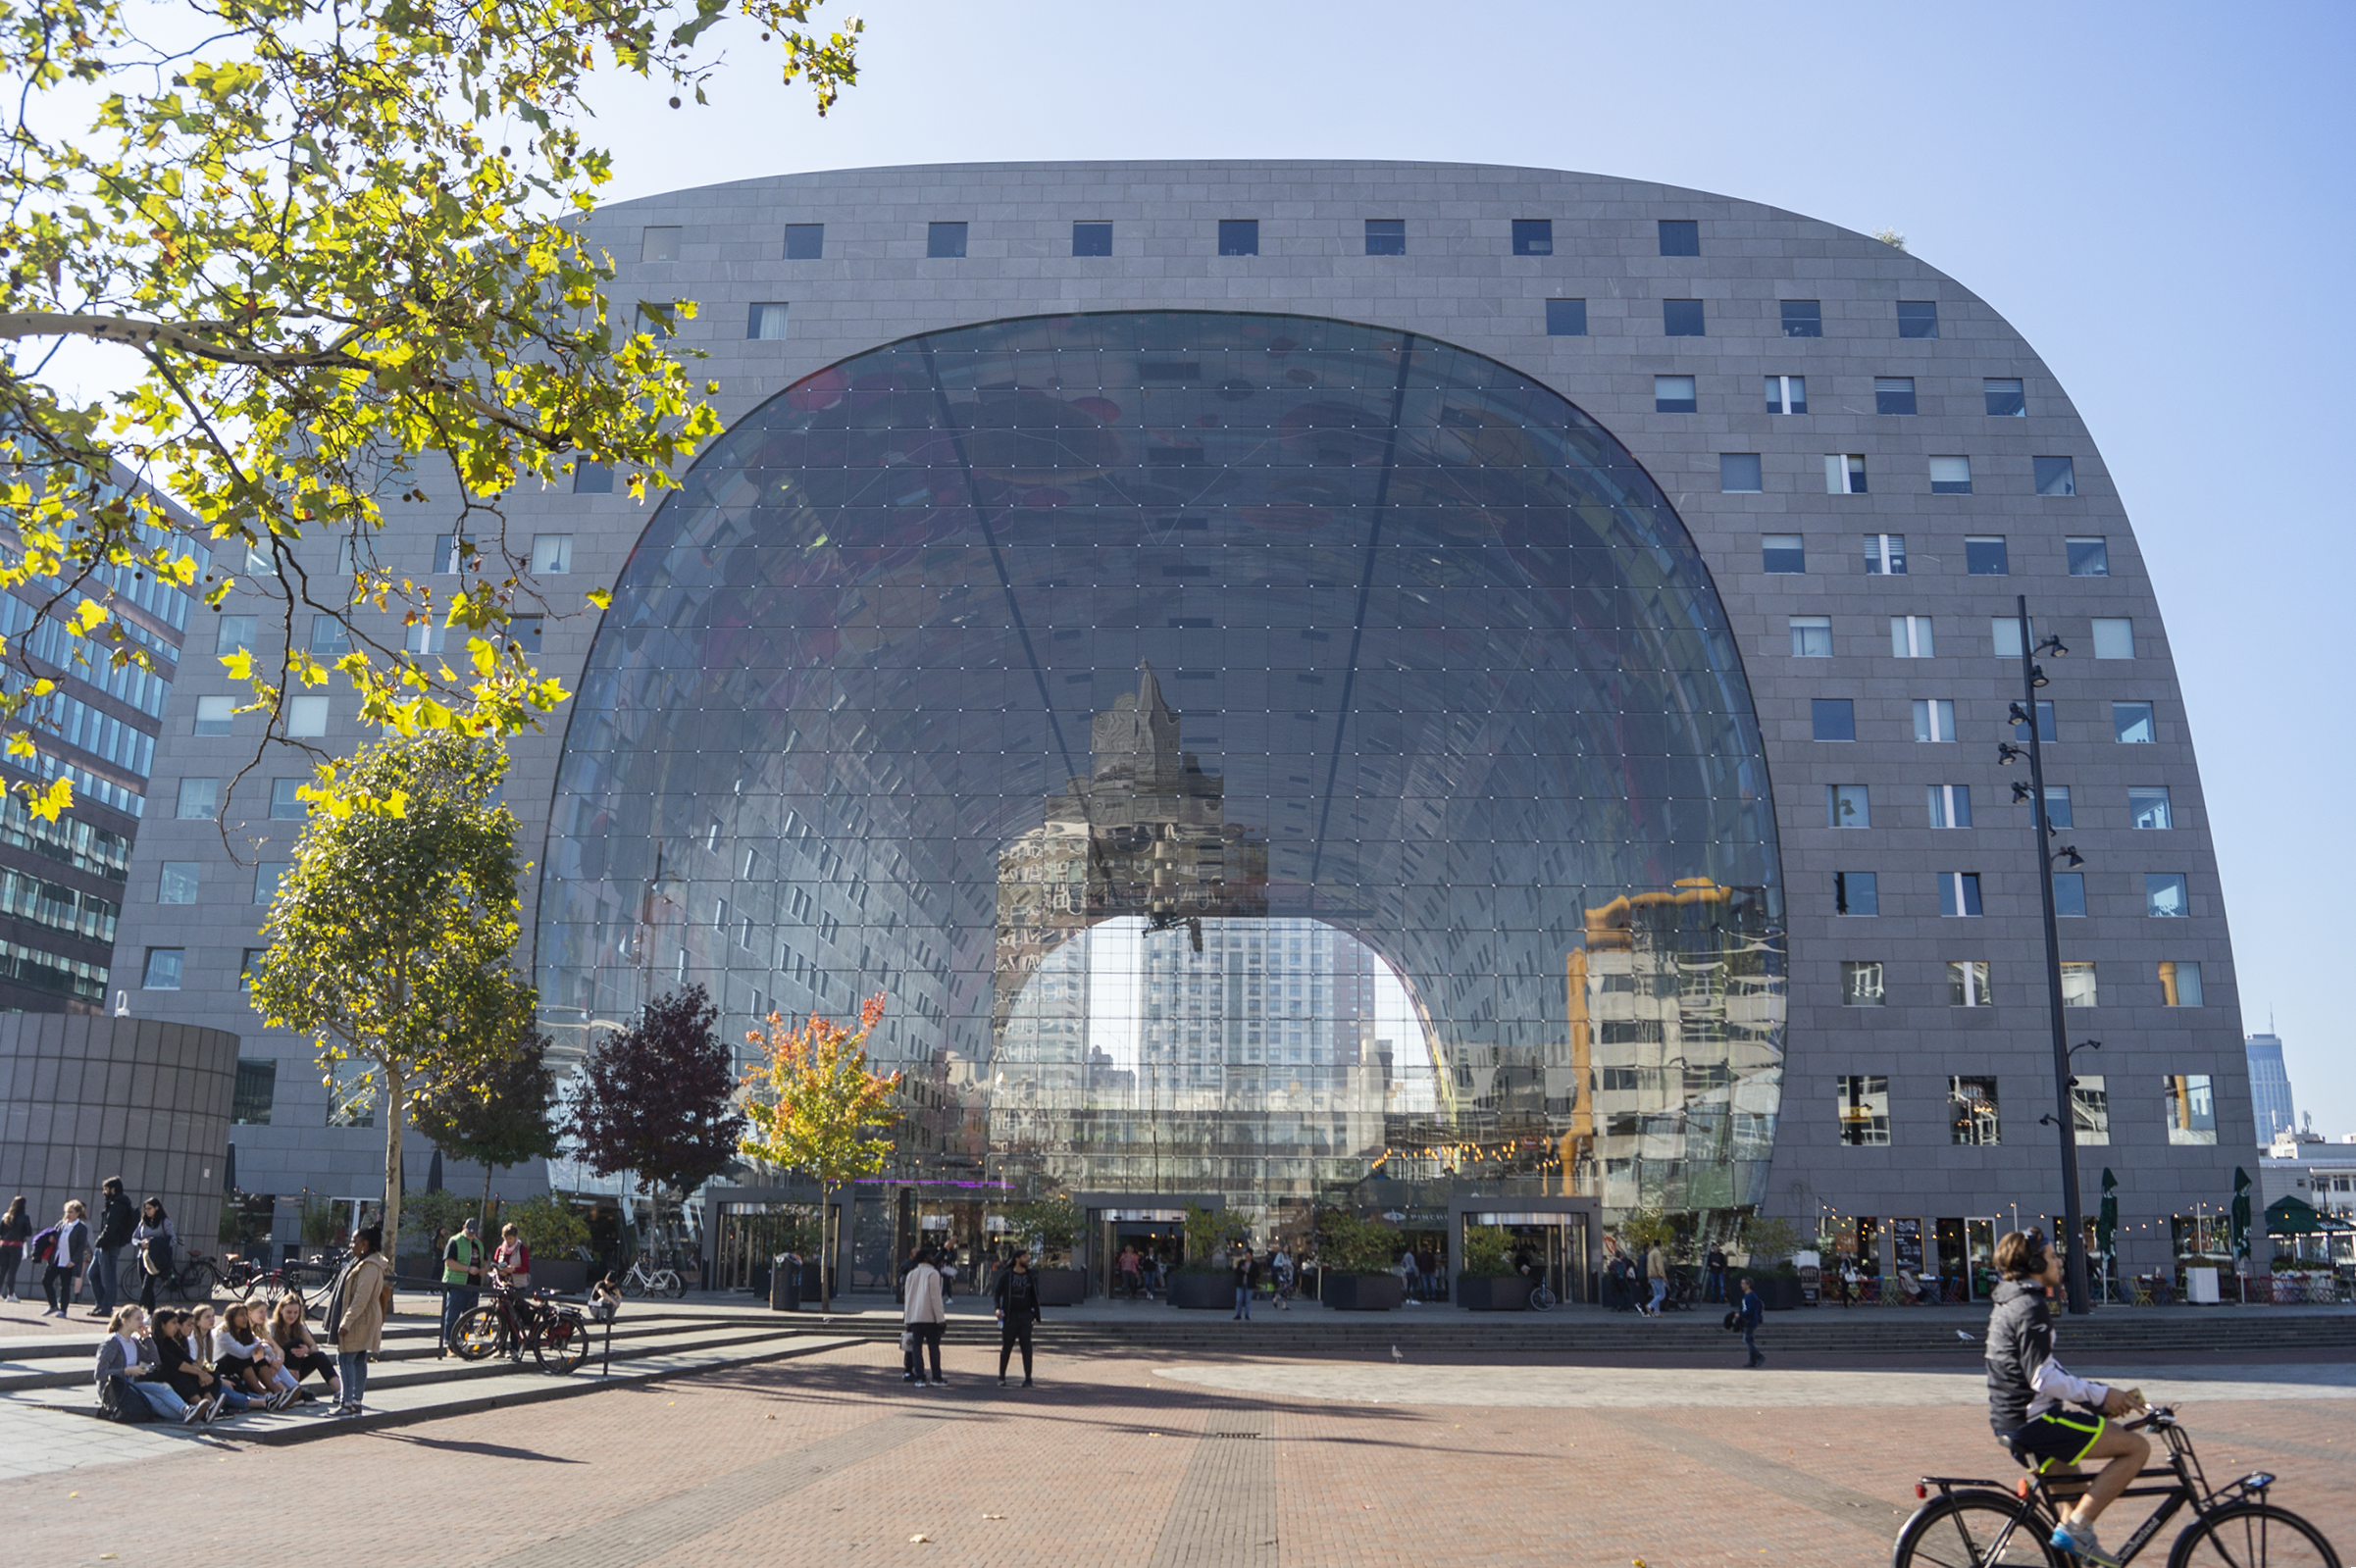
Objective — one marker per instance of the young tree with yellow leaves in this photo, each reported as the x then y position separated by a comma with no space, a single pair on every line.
815,1107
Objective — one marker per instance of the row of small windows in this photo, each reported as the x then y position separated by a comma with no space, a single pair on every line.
1851,805
178,880
2188,1109
1835,718
200,800
2002,396
1916,637
1865,982
1857,894
1845,472
1984,555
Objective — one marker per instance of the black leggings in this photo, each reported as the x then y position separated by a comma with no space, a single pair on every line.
11,1258
57,1285
1011,1334
302,1363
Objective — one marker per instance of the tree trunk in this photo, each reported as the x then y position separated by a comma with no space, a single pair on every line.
826,1242
484,1225
394,1104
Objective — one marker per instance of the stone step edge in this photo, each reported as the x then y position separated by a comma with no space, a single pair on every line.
53,1347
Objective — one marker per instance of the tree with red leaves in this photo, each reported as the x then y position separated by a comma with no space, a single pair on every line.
659,1100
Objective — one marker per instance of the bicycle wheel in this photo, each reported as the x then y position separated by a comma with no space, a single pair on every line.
668,1283
197,1282
1974,1530
2253,1534
1541,1299
562,1343
481,1333
634,1285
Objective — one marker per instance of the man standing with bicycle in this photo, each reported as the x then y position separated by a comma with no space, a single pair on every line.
2028,1388
461,1268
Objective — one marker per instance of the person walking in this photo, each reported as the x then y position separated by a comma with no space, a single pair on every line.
1655,1274
1247,1272
126,1353
1716,1264
1280,1265
116,1220
1017,1296
152,1243
1130,1282
367,1302
1748,1315
1616,1272
461,1272
923,1312
15,1229
69,1255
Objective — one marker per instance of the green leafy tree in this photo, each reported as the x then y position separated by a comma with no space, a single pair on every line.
550,1226
429,1219
393,928
815,1107
502,1118
332,258
1349,1245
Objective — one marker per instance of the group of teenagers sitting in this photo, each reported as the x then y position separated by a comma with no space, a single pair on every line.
186,1366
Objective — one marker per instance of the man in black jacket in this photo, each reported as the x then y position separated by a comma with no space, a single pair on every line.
1017,1294
117,1219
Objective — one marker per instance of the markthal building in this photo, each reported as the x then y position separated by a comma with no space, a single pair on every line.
1466,696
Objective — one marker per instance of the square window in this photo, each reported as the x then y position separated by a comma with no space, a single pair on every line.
1984,556
257,1087
591,479
267,877
1682,318
452,552
1680,236
214,715
2004,634
1738,474
1833,718
1950,805
1893,394
1861,984
329,637
2070,894
1911,637
523,632
2044,718
1864,1110
2191,1107
424,637
1959,894
162,971
944,241
1967,984
306,717
1533,236
1386,236
1783,553
2090,1108
1566,317
2057,803
1856,892
1934,720
1092,240
351,1095
1848,807
233,633
2005,396
2163,895
1239,236
2131,722
200,800
2078,985
2147,806
551,554
659,322
1972,1112
1885,555
177,884
765,322
1951,475
659,244
2179,984
2056,476
1673,394
1802,318
1811,636
1787,394
2090,557
2114,639
1918,318
805,241
1844,474
285,803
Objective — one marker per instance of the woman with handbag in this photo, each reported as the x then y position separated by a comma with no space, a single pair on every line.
152,1241
367,1303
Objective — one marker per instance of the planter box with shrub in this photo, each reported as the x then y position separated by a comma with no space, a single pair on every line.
1493,1292
1202,1292
1365,1292
1062,1287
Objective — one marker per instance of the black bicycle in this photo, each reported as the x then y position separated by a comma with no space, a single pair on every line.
1977,1523
512,1322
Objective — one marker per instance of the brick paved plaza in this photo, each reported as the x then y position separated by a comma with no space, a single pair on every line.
1668,1459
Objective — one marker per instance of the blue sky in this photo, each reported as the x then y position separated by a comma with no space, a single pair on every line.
2156,195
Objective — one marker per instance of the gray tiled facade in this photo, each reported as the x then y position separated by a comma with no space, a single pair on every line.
1459,282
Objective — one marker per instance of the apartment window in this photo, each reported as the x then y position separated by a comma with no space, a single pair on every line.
1910,637
1967,984
551,554
659,322
2131,722
2004,634
1844,474
944,241
330,639
2090,557
1566,317
177,884
2004,395
452,552
2147,806
2090,1108
1833,718
593,478
351,1095
2056,476
1738,474
2179,984
233,633
659,244
766,321
2057,803
1918,318
350,559
1950,805
2045,730
1533,236
805,241
1682,318
306,717
2114,639
1095,240
1857,892
1680,236
1984,555
1885,555
286,801
1239,236
1783,553
1861,984
424,637
1893,394
257,1086
2163,895
523,632
1951,475
200,800
2078,985
2191,1107
214,715
1934,719
1802,318
267,877
2070,894
1386,236
1972,1112
1959,894
162,971
1673,394
1848,807
1811,636
1787,394
1864,1110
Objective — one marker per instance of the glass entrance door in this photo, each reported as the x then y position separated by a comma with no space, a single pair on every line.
1543,1246
1156,1234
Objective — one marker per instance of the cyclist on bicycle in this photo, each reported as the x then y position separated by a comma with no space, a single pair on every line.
2028,1388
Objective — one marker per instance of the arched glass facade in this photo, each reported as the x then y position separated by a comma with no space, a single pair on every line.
1256,754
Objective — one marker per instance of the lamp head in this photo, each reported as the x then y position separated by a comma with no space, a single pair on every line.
2017,714
2020,794
2070,855
2007,754
2037,676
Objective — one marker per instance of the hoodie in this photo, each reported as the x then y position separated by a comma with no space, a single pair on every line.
2024,1381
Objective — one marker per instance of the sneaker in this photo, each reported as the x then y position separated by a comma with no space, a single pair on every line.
194,1412
211,1408
1002,1383
920,1382
2078,1540
284,1397
1026,1383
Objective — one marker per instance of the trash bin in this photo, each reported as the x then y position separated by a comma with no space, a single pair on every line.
785,1284
2201,1286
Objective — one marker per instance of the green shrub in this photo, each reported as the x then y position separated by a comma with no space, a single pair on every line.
551,1225
1209,1234
1488,1251
1352,1245
429,1219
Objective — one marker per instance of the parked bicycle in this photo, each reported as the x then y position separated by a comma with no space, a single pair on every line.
1977,1523
643,1279
513,1321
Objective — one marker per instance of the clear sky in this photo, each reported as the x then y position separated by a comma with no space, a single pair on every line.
2157,195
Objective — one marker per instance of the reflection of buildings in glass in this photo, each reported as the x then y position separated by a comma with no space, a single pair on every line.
2270,1087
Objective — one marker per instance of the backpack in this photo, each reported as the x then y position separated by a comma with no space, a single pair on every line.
43,1246
117,1402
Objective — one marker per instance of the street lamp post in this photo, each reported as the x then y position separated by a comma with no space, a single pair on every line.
2032,676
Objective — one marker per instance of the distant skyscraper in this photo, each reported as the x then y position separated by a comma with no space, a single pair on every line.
2270,1086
